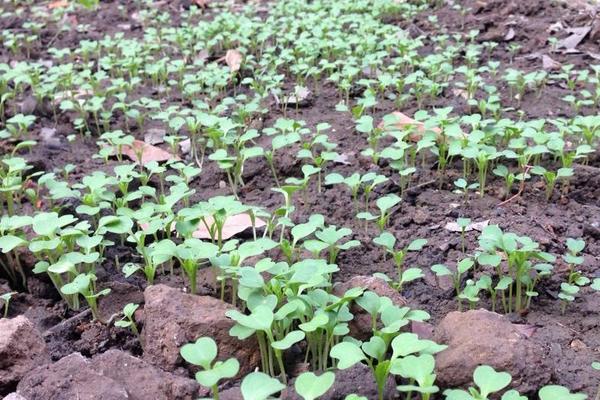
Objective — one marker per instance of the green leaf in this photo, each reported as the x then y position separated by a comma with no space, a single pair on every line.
489,380
288,341
556,392
259,386
311,386
417,244
221,370
347,354
202,352
80,284
10,242
375,348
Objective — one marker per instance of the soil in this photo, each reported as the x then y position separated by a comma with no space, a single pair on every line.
573,338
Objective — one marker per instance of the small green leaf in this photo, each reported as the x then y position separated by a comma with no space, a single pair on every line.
311,386
260,386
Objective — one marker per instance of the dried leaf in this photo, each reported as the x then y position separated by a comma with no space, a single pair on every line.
525,330
510,35
233,225
477,226
549,64
577,35
149,152
403,121
58,4
233,58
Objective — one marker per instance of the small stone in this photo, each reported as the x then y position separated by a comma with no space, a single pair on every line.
420,217
173,319
22,348
481,337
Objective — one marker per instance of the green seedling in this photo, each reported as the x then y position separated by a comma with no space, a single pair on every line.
260,386
509,178
385,205
128,320
84,284
463,188
6,297
356,183
551,177
329,239
375,354
462,267
388,242
556,392
488,382
310,386
463,224
203,353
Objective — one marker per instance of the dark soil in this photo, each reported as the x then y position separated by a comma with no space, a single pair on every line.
573,338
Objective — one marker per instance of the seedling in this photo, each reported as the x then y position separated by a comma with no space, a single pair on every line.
128,320
6,297
388,242
260,386
310,386
84,284
203,353
488,382
385,205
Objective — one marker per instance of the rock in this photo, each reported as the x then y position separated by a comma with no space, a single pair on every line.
479,337
70,377
142,380
48,137
114,375
420,217
173,318
360,326
21,349
14,396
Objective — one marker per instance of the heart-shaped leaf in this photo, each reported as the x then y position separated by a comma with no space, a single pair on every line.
202,352
311,386
489,380
259,386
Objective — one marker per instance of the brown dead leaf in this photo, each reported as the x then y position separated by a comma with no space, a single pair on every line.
549,64
403,121
58,4
576,36
149,152
233,58
233,225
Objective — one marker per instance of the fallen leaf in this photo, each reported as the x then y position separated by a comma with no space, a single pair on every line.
233,225
403,120
525,330
510,35
233,59
202,56
549,64
342,159
58,4
575,37
149,152
477,226
300,97
201,3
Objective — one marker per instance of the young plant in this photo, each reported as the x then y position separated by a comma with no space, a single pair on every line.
488,382
310,386
6,297
203,353
385,205
84,284
260,386
388,242
128,320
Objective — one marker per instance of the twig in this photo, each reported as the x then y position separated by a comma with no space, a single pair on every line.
521,187
420,185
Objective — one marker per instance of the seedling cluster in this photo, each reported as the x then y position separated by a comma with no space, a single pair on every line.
224,88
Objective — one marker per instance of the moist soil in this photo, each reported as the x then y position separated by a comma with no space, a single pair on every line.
428,204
